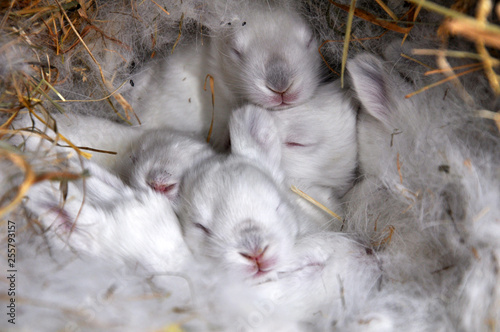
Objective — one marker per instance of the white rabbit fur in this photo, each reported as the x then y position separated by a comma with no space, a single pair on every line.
58,290
82,131
327,279
430,170
266,49
159,158
103,217
128,256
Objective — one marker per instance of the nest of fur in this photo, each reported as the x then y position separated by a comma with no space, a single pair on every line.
77,55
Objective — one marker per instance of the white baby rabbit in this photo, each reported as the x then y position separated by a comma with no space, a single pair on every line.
267,57
234,209
428,202
159,158
103,217
251,230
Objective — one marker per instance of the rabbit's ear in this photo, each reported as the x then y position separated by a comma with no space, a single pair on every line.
74,211
372,87
254,135
382,95
47,200
67,219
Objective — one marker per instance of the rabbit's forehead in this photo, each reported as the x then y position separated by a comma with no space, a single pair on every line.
244,195
272,23
257,188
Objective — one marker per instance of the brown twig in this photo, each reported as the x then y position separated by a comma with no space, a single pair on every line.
372,18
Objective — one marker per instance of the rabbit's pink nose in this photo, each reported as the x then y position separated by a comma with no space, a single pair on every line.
255,256
279,91
261,262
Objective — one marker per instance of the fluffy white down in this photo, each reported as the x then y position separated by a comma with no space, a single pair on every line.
430,185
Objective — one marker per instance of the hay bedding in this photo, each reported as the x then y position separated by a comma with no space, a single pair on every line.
46,68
